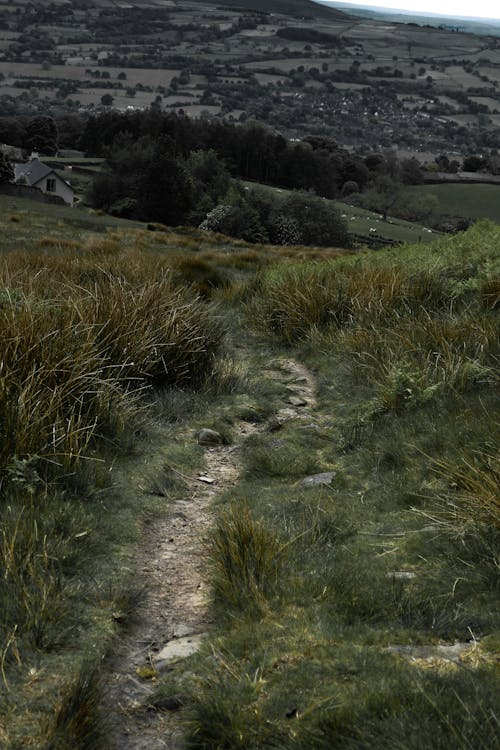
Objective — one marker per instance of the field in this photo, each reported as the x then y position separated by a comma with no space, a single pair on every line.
471,201
184,51
331,559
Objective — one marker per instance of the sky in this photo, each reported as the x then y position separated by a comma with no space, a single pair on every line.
454,8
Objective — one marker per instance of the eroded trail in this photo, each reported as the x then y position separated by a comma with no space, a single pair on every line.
174,616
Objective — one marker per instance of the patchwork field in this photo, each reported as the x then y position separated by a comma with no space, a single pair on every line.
70,61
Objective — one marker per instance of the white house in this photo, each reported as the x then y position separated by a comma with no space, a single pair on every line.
38,175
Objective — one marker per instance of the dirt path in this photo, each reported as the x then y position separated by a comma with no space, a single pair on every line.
172,566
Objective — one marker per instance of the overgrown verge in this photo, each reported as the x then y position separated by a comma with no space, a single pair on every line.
364,613
87,337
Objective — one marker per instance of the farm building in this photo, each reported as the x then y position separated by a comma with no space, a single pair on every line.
38,175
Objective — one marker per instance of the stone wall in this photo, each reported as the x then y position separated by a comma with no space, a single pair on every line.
33,193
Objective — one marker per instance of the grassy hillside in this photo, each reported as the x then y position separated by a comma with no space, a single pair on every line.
361,613
470,201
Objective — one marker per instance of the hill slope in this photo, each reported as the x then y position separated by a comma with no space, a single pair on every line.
300,8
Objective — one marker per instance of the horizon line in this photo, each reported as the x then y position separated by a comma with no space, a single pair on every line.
405,12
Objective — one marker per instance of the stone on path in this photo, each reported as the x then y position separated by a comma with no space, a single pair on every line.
297,401
209,437
179,648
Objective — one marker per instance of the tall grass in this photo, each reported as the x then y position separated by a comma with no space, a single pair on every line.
77,352
413,322
246,559
85,334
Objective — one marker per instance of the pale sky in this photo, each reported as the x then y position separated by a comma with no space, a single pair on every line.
457,8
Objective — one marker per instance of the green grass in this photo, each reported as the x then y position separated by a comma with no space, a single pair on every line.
469,201
333,603
330,603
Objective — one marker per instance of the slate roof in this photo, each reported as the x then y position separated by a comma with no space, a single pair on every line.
33,171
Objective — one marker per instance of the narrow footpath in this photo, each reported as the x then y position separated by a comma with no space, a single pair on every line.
171,564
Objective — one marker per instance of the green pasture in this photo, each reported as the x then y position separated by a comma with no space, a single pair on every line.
470,201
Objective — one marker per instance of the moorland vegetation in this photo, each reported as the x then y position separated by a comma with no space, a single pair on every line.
336,607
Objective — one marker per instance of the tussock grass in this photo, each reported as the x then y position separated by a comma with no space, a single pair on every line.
76,337
77,723
281,456
246,558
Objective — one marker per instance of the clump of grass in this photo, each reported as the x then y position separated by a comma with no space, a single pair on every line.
152,332
426,710
281,456
199,273
247,559
58,243
33,552
55,396
166,482
469,512
76,723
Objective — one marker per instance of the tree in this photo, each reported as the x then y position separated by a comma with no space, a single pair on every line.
42,135
319,223
382,196
240,221
6,169
107,100
143,180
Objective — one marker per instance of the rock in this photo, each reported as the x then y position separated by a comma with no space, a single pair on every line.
326,477
209,437
285,414
179,648
182,631
297,401
274,425
296,389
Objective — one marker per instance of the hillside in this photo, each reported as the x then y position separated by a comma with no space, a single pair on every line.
294,8
249,500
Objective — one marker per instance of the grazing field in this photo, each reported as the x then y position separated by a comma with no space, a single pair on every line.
471,201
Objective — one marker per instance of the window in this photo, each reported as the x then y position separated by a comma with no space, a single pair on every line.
51,185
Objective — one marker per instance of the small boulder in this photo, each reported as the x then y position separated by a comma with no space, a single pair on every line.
326,477
209,437
179,648
297,401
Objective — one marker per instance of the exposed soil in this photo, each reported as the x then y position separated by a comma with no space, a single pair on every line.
172,566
